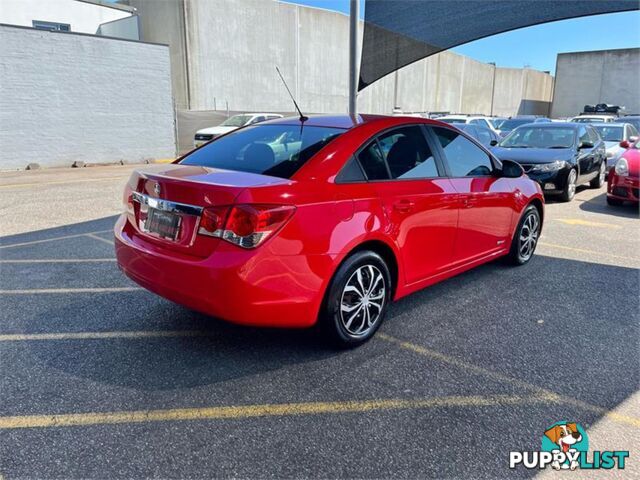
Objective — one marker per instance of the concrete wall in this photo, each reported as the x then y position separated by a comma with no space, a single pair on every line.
67,97
233,46
163,22
607,76
448,82
83,17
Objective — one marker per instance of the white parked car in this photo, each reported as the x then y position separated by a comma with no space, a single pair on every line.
594,119
231,124
612,134
472,120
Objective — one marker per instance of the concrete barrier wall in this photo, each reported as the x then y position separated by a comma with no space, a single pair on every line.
232,47
609,76
70,97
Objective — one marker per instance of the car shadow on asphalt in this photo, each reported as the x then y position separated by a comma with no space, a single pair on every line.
560,324
599,205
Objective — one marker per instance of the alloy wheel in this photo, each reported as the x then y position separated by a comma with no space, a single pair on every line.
529,234
362,300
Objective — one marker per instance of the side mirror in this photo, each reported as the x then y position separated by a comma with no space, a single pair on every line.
511,169
585,145
624,144
493,143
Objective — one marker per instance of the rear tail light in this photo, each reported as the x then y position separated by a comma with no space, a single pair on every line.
244,225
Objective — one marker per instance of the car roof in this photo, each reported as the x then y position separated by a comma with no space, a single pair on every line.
609,124
335,121
554,124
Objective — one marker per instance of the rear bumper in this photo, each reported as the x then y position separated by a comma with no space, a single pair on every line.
249,287
623,188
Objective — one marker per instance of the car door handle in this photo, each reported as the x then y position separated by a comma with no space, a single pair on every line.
404,206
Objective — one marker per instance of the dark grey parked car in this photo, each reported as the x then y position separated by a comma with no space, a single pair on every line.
485,136
559,156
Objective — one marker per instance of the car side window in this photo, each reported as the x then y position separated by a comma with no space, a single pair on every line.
632,131
593,135
373,163
584,135
484,136
408,154
465,159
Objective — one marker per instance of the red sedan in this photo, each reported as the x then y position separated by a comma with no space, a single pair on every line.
623,181
292,222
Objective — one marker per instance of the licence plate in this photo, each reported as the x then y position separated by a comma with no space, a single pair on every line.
163,224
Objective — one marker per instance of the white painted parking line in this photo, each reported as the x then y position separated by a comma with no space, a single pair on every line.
30,337
96,237
52,239
38,291
470,367
60,260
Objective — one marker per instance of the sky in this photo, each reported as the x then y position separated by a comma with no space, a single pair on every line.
536,47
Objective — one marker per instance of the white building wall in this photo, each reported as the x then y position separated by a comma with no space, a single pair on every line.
67,98
82,16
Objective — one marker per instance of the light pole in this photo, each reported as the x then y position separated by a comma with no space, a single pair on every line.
353,55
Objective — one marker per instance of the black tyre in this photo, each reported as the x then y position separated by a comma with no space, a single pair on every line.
357,299
526,237
614,202
570,188
598,182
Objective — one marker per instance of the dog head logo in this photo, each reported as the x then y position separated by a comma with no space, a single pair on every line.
566,438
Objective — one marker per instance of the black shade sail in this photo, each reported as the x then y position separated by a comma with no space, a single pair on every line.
400,32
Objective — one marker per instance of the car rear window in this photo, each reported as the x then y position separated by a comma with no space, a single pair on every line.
275,150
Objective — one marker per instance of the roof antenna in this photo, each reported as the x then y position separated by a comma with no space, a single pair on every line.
302,117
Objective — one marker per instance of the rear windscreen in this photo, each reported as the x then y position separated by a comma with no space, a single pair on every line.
275,150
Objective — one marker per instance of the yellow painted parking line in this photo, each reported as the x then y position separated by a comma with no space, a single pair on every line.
542,392
164,160
38,291
60,260
582,250
63,182
96,237
52,239
31,337
586,223
266,410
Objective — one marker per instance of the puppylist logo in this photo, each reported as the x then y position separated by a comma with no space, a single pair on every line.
565,446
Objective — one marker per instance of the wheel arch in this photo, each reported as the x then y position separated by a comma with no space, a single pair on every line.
388,255
536,202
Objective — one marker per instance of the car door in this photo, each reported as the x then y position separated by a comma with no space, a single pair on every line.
487,201
586,155
419,201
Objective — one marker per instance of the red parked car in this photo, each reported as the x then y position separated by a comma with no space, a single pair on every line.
289,222
623,181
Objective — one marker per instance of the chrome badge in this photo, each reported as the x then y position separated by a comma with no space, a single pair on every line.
157,189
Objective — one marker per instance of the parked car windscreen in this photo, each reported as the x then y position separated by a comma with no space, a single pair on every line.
613,133
539,137
275,150
497,122
236,121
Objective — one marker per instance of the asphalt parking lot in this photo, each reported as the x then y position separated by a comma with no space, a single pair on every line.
102,379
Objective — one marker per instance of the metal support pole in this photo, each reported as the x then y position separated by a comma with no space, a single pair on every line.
353,55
